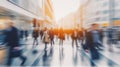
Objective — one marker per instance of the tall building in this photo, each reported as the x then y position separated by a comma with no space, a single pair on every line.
48,14
101,11
68,21
21,12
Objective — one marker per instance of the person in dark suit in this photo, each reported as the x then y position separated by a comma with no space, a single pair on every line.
93,41
80,36
51,34
12,40
74,37
35,35
61,36
26,34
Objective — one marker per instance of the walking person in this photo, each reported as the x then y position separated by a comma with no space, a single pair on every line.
83,38
61,36
12,40
80,36
51,34
93,41
35,35
26,34
46,38
21,34
74,37
110,40
41,33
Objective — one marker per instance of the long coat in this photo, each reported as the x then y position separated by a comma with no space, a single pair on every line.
12,40
89,39
12,37
91,46
73,34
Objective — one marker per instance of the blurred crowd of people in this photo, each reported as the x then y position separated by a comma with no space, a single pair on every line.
90,39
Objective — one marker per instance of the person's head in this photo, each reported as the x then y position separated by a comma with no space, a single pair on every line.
82,28
45,28
51,28
95,26
10,24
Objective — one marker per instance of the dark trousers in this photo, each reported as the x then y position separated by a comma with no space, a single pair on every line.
35,42
10,59
98,45
61,42
74,41
52,41
46,45
94,53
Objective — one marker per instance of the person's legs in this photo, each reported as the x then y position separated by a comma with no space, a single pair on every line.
59,41
94,53
72,42
41,36
51,41
23,58
79,40
110,43
76,42
26,37
10,59
36,41
62,42
45,45
100,46
82,39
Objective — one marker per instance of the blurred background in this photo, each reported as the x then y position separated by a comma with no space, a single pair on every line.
59,18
